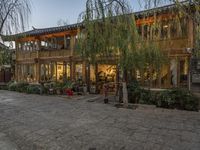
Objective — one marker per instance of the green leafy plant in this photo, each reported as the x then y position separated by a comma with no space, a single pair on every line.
35,89
179,99
12,86
68,85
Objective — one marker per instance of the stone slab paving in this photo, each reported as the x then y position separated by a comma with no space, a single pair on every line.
34,122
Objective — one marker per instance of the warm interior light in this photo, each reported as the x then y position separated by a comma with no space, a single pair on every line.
165,26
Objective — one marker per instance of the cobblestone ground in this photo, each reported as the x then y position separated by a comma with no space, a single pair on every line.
31,122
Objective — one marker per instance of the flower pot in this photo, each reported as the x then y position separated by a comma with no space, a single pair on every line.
69,92
58,92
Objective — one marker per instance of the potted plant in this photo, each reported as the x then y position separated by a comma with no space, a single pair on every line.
58,88
68,88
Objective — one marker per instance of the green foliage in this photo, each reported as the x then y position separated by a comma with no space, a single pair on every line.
22,87
35,89
19,87
137,94
174,98
12,86
147,97
179,99
5,56
68,85
134,92
108,31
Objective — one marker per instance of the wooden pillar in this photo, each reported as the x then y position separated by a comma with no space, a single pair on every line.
84,69
168,77
65,42
64,72
178,72
191,33
16,72
159,78
72,70
72,43
52,43
96,75
37,71
142,32
56,71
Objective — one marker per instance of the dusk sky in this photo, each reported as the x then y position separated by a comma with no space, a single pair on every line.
46,13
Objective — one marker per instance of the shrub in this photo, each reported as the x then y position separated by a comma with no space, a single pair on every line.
134,92
19,87
174,98
22,87
68,85
35,89
179,99
147,97
12,86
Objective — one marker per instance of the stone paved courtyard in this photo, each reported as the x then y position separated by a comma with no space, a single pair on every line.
31,122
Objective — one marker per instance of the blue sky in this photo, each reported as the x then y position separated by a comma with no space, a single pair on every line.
46,13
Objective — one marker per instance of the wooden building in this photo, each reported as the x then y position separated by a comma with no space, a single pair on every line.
49,54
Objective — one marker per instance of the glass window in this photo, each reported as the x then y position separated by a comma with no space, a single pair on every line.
79,71
60,71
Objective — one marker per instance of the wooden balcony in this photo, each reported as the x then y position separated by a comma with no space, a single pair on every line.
179,43
43,54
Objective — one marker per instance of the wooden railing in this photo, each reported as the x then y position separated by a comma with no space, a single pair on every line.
167,44
178,43
23,55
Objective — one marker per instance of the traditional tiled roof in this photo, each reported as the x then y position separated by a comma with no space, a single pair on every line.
43,31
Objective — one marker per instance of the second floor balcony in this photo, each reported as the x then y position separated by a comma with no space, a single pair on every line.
43,54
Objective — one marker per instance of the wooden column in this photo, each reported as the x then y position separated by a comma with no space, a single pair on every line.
16,72
52,43
84,71
37,65
178,72
96,75
142,32
72,43
191,33
65,42
64,72
72,70
38,45
159,78
56,71
168,77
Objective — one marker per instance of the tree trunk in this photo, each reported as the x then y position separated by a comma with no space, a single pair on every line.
124,88
125,93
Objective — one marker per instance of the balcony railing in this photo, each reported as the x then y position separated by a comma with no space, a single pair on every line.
24,55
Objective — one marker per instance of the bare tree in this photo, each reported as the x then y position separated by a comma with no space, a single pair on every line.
14,15
62,22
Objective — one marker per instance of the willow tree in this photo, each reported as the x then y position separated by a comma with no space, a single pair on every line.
14,15
152,59
185,8
109,31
